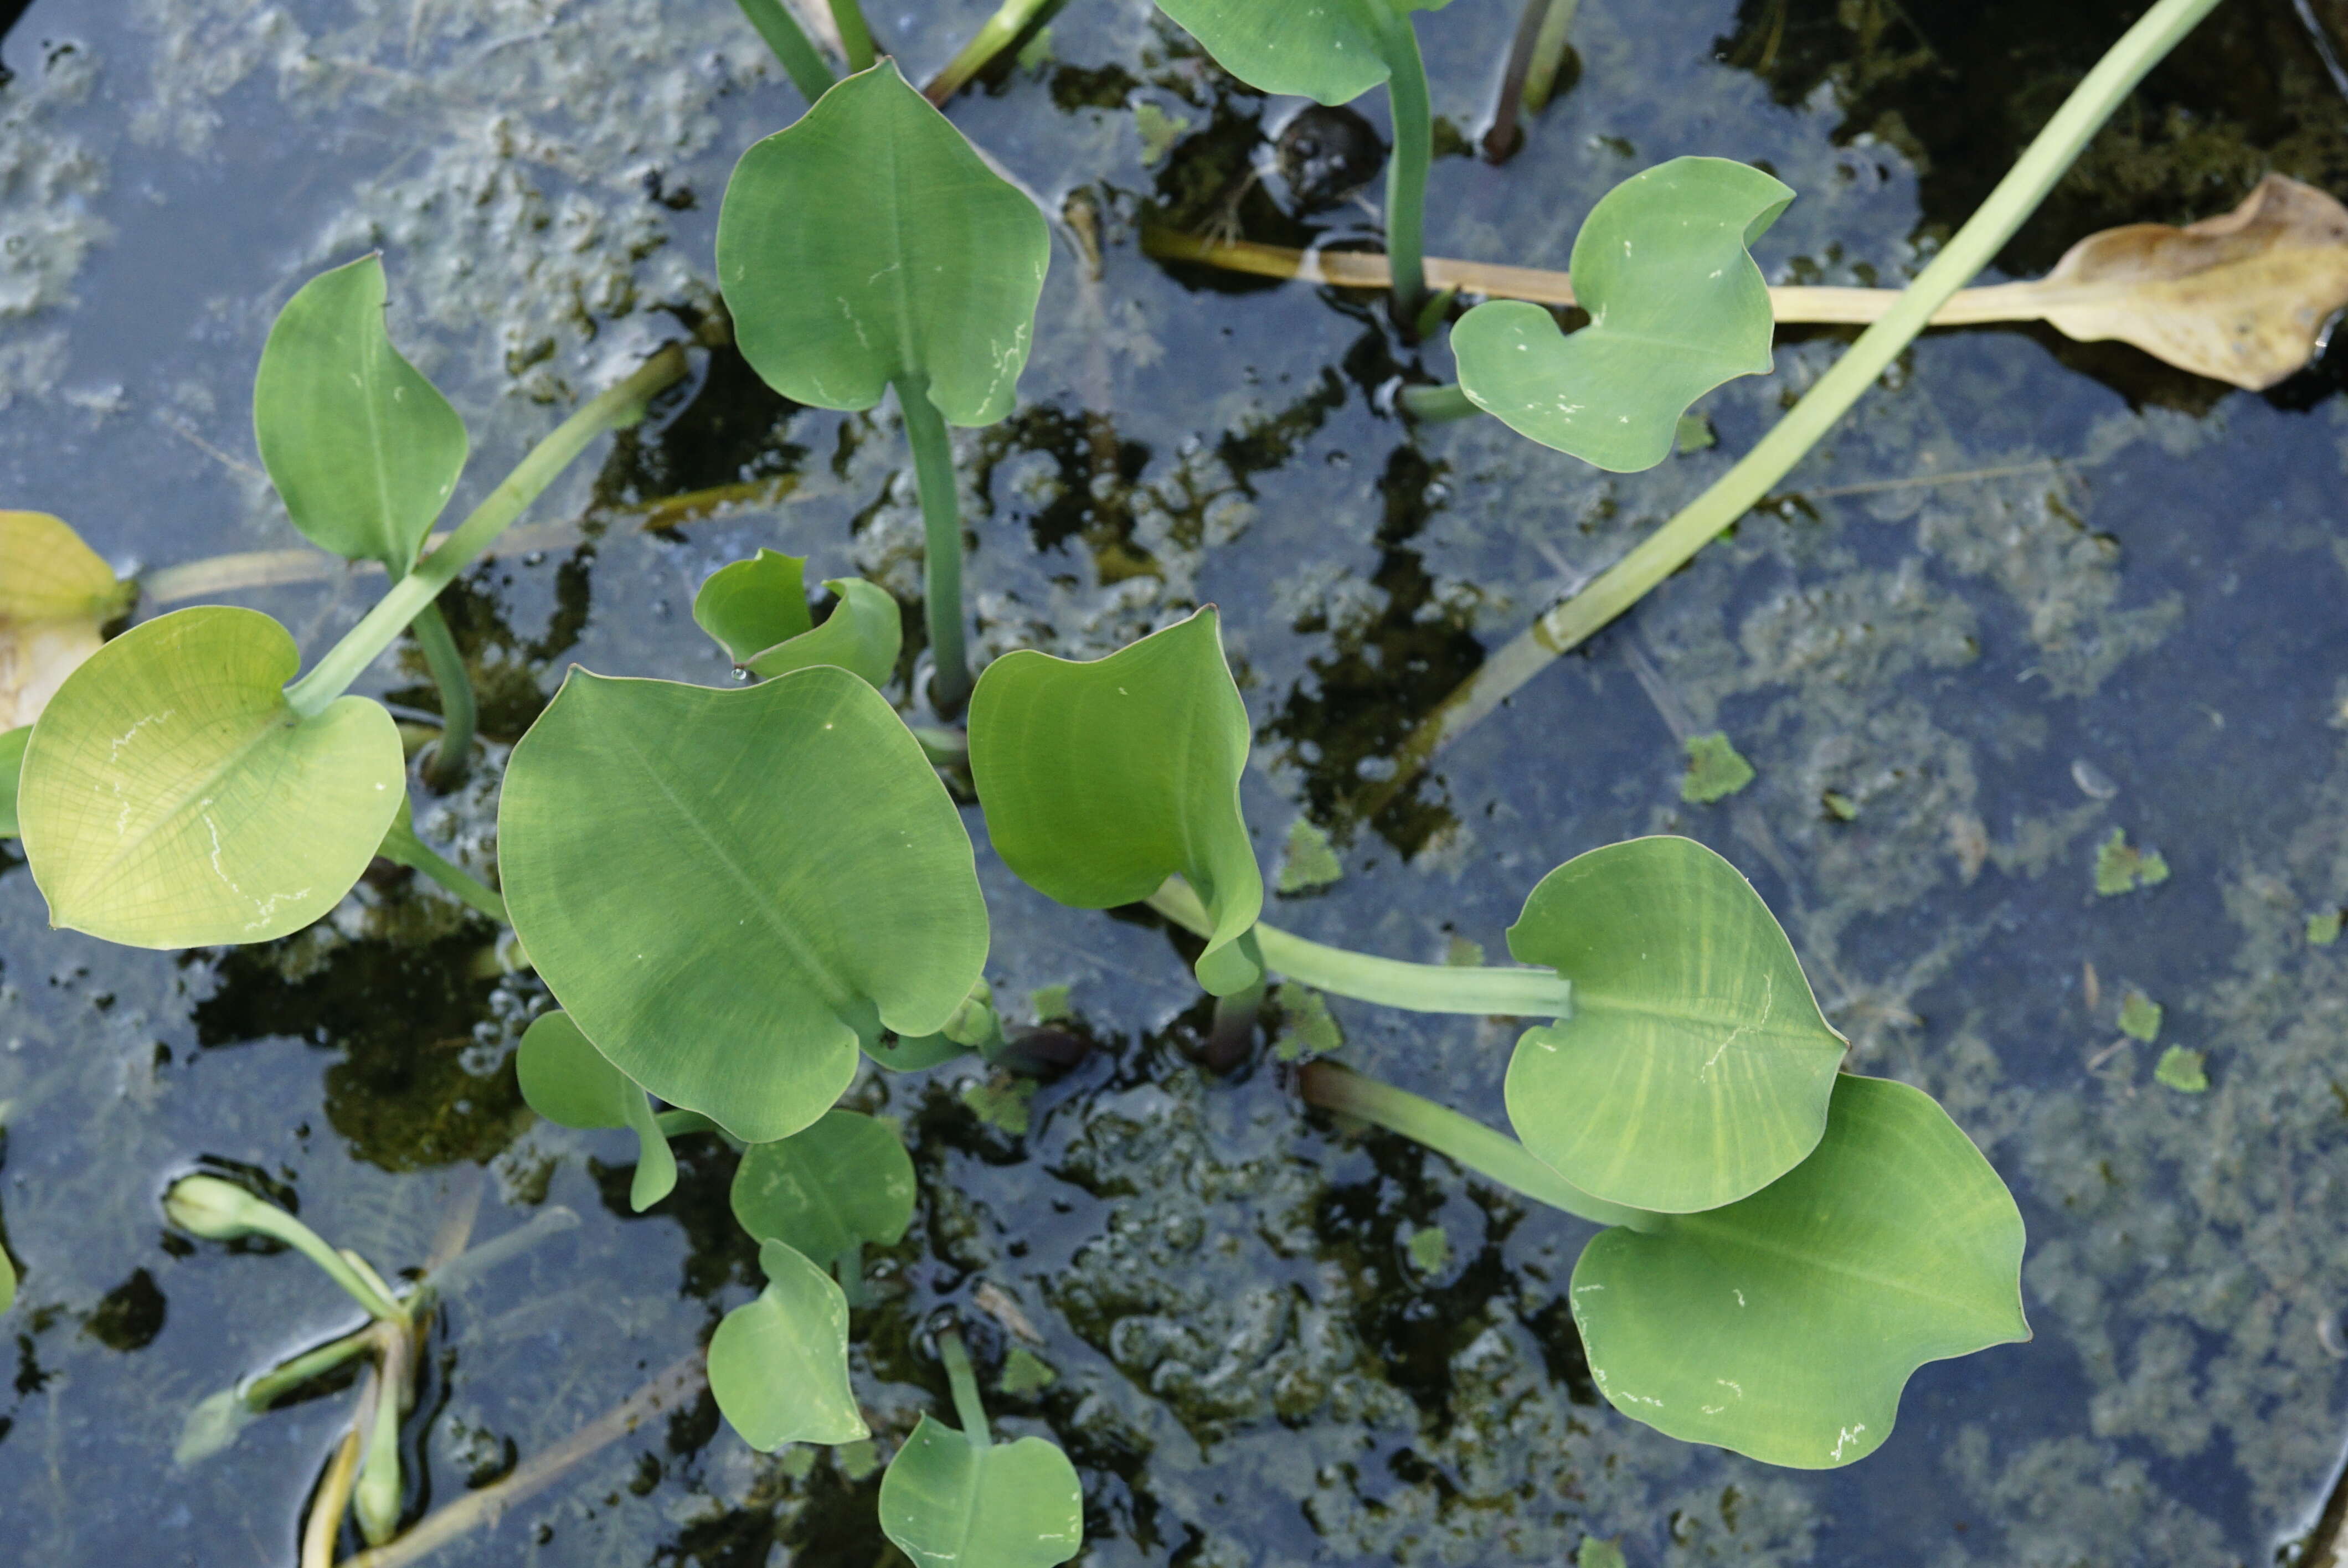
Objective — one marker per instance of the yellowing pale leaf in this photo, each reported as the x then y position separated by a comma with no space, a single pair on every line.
55,592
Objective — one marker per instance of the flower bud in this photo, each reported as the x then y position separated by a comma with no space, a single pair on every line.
213,1209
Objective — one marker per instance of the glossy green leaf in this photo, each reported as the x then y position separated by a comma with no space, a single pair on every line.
1696,1067
730,890
171,798
778,1365
11,759
869,244
1102,780
1321,49
55,596
567,1080
1676,307
863,635
950,1502
362,448
1785,1326
841,1184
751,605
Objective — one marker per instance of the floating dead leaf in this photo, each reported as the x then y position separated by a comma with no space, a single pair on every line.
2241,298
55,594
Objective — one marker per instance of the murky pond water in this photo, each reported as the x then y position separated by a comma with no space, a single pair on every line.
2028,594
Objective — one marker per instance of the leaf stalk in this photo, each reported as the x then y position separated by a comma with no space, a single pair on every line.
460,713
402,847
801,61
1413,111
969,1409
933,475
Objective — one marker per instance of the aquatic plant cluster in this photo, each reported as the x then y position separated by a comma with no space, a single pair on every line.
739,897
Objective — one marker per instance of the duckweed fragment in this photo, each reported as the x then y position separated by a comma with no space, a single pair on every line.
2121,867
2182,1070
1715,770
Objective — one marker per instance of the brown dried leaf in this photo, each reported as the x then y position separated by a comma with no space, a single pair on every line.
55,594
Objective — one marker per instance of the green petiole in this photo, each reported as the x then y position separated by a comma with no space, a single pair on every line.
1413,112
1493,1155
999,33
969,1409
1671,546
381,626
402,847
1388,982
855,38
933,474
791,46
267,1388
458,711
1432,404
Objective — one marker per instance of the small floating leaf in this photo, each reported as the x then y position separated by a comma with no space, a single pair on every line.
1676,306
863,635
747,606
567,1080
730,891
362,448
1102,780
1597,1554
1785,1326
171,798
1697,1068
1715,770
2140,1017
55,596
1307,1028
1329,51
869,243
1429,1249
1025,1372
840,1185
1309,863
2120,867
2322,931
1005,1105
950,1502
2182,1070
778,1365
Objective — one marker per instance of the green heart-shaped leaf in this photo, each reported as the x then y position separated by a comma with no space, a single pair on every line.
566,1079
778,1365
729,890
1102,780
362,448
1696,1067
12,761
754,604
869,244
56,597
863,635
843,1183
1327,50
171,797
1785,1326
1676,307
950,1502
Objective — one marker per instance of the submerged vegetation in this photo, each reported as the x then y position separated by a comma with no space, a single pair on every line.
743,898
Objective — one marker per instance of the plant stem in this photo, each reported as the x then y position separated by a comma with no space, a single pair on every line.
458,711
1001,31
377,1494
1233,1030
265,1390
1413,112
791,46
1389,982
402,847
1549,54
849,1268
671,1390
1672,546
933,473
1432,404
329,1503
273,1221
969,1409
1495,1156
1505,136
381,626
855,38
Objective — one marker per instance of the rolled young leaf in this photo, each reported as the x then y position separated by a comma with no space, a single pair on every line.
1676,307
730,890
838,1185
1327,51
863,634
950,1501
1696,1067
362,448
567,1080
778,1365
1101,780
754,604
869,244
170,797
1785,1326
